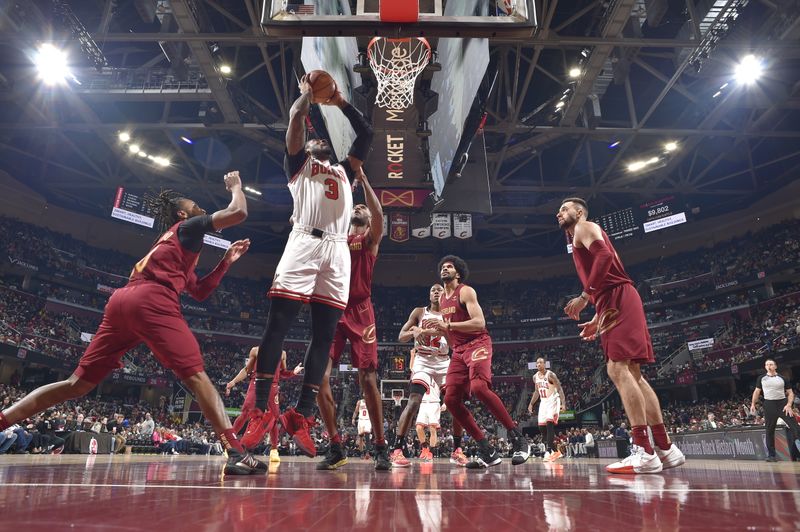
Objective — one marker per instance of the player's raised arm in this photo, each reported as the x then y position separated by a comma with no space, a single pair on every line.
407,331
296,132
364,133
375,234
236,211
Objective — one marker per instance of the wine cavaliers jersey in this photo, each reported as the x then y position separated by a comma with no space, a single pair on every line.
362,263
168,262
583,264
453,311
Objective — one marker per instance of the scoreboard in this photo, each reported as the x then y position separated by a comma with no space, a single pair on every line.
140,210
650,216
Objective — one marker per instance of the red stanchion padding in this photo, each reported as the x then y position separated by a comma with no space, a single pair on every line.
401,11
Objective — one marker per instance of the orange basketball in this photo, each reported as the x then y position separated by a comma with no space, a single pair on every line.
322,84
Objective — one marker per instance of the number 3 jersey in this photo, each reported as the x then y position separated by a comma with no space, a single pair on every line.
323,197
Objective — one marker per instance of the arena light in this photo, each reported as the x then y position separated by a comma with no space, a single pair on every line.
142,154
187,140
51,64
636,166
749,70
253,191
670,146
574,73
560,104
162,161
134,148
225,69
124,136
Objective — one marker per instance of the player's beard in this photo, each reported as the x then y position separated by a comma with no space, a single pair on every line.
323,153
358,221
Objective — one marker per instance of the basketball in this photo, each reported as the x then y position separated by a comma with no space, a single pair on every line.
322,84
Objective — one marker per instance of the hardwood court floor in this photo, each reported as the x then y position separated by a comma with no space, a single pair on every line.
170,493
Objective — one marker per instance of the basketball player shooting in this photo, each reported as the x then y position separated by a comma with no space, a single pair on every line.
315,265
358,326
470,369
428,365
547,387
620,323
148,310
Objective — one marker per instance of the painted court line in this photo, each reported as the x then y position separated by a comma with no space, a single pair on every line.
412,490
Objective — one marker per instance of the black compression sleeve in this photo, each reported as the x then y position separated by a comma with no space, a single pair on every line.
363,142
191,232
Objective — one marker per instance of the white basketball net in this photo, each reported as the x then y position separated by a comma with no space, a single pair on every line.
396,64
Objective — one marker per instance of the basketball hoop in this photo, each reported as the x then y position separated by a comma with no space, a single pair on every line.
396,64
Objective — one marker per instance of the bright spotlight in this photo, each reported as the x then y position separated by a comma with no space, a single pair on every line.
225,69
52,64
124,136
652,160
559,105
133,148
635,166
161,161
574,72
187,140
749,70
142,154
671,146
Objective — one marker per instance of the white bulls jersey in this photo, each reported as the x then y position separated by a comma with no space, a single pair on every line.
543,385
323,197
363,413
431,346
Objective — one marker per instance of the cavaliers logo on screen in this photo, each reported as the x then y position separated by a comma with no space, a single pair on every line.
607,321
369,336
480,354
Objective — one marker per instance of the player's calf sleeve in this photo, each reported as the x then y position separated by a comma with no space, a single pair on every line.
480,389
282,313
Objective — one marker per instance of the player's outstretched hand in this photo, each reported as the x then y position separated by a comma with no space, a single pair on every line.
337,99
228,388
236,250
589,329
305,87
232,180
530,408
574,308
298,369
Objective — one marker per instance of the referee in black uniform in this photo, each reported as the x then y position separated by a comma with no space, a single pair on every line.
778,399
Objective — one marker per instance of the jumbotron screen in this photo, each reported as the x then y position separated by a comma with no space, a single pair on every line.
650,216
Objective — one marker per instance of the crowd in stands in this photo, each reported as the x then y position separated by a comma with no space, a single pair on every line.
69,282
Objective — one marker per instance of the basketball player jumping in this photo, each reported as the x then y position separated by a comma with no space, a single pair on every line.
548,389
358,326
315,266
429,362
250,396
470,369
620,323
148,310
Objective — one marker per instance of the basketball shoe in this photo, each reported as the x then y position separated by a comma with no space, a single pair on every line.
382,462
334,459
297,425
243,464
459,458
398,459
259,424
274,456
638,462
426,455
486,458
522,450
555,455
672,457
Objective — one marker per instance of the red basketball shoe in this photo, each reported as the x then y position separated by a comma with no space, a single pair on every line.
297,426
259,424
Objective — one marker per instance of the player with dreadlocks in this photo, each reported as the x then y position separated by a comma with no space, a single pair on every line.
148,310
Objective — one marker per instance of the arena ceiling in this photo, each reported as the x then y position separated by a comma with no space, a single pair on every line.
640,88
